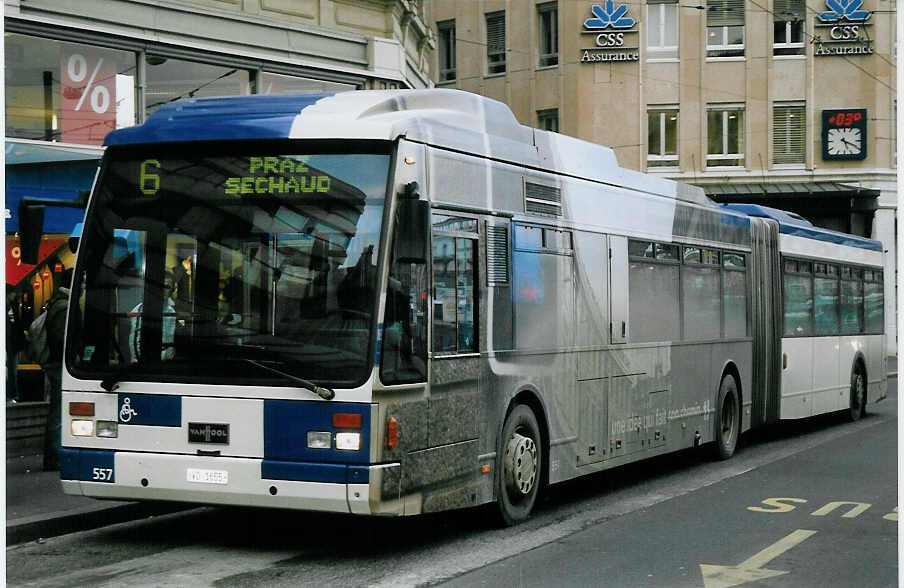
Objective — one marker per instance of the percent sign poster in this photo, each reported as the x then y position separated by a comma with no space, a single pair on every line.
88,96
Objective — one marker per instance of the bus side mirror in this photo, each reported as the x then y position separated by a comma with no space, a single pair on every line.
412,237
31,228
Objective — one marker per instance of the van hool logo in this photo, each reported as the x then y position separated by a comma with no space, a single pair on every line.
208,433
610,46
848,10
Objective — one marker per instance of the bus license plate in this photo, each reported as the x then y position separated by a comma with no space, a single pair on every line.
207,476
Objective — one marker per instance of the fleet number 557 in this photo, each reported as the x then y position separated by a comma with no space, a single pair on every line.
102,474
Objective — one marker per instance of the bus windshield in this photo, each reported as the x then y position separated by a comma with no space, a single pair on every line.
215,265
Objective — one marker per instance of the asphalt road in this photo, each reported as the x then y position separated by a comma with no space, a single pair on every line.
648,524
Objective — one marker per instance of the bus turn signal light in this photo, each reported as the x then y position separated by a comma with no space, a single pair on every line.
392,433
346,421
81,408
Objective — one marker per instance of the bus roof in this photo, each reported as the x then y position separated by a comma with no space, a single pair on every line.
446,118
792,224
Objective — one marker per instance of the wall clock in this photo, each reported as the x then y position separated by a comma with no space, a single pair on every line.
844,134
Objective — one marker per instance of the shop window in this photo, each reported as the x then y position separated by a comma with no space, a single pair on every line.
271,83
725,28
69,92
446,50
725,136
548,25
495,42
171,79
788,27
662,136
662,30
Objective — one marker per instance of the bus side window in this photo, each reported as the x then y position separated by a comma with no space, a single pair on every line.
404,352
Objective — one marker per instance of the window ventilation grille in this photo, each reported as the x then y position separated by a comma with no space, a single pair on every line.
540,199
497,255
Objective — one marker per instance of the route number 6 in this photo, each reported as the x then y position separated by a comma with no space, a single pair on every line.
148,181
102,474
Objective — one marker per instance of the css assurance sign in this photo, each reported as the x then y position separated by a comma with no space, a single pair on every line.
610,24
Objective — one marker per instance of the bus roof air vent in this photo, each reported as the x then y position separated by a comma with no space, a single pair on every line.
540,199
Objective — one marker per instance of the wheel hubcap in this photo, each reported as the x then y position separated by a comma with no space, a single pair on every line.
728,419
520,464
858,392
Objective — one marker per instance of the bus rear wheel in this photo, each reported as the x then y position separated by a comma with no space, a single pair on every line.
858,395
728,418
518,478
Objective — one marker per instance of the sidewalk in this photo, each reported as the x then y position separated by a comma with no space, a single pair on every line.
36,506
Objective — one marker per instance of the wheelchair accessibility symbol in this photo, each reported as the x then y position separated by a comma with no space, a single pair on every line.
127,412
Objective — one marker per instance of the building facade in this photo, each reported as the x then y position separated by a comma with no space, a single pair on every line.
77,69
785,103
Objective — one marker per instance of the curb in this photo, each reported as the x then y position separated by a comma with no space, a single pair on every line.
33,528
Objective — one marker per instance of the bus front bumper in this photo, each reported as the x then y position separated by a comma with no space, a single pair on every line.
220,480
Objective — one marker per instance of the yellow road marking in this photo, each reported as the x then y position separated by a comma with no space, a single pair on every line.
752,569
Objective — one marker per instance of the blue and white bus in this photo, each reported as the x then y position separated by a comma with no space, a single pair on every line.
398,302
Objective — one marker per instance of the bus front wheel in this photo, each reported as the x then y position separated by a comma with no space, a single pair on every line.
518,478
728,418
858,395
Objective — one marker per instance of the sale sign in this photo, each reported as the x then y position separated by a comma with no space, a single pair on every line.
16,269
88,95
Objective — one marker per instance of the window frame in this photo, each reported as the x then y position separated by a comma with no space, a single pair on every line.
496,57
548,34
447,64
473,238
791,108
660,52
548,115
663,159
725,155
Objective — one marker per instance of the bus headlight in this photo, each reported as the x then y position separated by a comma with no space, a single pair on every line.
81,428
348,441
319,439
107,429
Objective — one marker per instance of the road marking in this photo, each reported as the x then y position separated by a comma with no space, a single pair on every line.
752,569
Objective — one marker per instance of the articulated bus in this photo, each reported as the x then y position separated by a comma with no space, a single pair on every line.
399,302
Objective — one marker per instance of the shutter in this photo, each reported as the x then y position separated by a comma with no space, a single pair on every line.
724,13
497,255
788,134
495,32
541,199
793,10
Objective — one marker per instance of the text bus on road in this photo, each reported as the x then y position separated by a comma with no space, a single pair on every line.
398,302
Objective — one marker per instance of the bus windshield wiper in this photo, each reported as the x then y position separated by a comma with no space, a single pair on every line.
325,393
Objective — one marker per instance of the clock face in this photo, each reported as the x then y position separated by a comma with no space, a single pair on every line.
844,134
845,141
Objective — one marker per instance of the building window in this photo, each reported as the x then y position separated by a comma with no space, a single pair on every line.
788,26
446,50
548,24
725,136
496,42
789,145
548,120
725,28
662,30
662,136
169,79
271,83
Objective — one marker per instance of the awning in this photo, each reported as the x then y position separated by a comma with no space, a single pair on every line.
751,192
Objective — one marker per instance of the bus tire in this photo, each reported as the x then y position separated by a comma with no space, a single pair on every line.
858,395
520,466
727,418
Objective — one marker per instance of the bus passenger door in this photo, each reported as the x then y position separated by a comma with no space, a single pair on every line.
618,289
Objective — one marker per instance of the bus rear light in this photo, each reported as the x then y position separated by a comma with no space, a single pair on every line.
392,433
346,421
107,429
319,439
81,428
348,441
81,408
